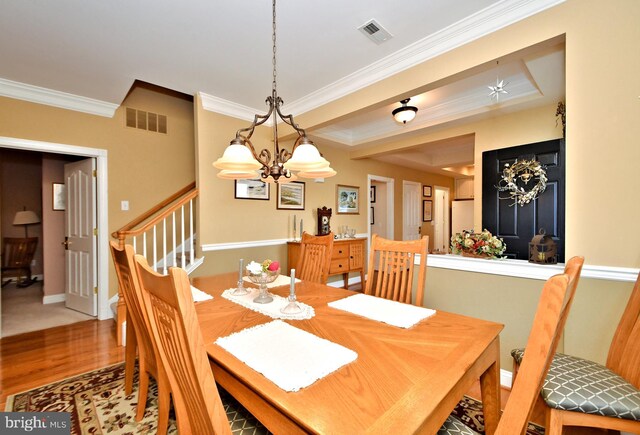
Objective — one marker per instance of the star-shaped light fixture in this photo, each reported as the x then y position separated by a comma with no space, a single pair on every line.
498,88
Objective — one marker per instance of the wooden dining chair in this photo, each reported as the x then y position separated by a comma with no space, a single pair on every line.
315,258
138,338
391,275
579,392
541,345
174,324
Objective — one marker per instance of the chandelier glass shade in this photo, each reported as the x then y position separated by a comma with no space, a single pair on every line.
404,113
240,160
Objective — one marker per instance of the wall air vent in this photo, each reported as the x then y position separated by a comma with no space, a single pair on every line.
374,31
146,120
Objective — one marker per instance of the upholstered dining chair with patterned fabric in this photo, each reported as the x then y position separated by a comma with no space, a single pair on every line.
138,338
579,392
391,269
543,339
176,332
315,258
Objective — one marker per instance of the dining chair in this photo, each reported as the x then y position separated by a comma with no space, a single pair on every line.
391,274
579,392
543,339
176,332
138,338
315,258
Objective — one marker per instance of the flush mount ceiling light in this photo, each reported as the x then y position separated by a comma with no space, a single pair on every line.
241,160
498,88
404,113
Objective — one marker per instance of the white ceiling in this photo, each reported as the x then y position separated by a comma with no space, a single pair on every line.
96,49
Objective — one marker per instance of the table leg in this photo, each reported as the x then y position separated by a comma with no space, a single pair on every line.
490,389
345,277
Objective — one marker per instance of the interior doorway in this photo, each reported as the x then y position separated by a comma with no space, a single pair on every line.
411,211
99,157
441,219
380,206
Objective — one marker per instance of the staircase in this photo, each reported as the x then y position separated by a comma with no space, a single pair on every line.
165,235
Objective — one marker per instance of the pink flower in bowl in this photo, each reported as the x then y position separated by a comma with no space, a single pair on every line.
274,266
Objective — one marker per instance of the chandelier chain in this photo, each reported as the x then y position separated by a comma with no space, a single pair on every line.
273,37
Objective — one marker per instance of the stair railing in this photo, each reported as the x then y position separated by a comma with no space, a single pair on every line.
145,236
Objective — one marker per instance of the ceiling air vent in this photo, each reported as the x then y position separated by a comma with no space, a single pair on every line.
374,31
146,120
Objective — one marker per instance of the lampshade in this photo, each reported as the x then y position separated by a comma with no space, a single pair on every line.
318,173
306,157
404,113
26,217
237,157
231,174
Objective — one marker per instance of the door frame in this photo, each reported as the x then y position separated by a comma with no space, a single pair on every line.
390,182
102,209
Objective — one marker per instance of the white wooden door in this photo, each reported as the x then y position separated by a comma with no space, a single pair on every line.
411,211
441,219
80,238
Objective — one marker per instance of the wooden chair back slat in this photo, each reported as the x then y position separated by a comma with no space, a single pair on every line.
392,276
624,352
177,335
541,348
315,258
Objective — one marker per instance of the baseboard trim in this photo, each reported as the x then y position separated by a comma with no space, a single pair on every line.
54,299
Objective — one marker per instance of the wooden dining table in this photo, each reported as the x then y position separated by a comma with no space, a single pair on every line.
403,381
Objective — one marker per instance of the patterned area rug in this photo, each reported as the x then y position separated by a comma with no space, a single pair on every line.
469,411
98,405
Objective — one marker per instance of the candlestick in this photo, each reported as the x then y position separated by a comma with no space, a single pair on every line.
292,290
294,227
292,307
240,290
300,229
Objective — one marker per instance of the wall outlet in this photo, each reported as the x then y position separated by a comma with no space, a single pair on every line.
124,205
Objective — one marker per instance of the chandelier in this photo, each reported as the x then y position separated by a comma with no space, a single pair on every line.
241,160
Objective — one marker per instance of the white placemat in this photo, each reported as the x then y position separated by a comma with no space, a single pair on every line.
280,280
289,357
272,309
383,310
199,296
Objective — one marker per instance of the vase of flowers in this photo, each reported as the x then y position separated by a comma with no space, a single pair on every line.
262,274
479,245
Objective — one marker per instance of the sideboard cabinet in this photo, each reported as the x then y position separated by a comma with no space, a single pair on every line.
348,256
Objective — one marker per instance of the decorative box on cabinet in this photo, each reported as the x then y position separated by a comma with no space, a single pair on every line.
348,256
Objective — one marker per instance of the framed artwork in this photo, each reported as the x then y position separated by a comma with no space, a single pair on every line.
251,189
348,199
372,194
291,196
427,210
59,196
373,219
426,191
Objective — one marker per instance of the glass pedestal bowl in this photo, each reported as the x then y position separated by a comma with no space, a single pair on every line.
262,279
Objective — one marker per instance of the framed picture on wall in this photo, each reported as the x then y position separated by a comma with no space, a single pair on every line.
426,191
372,194
59,196
348,199
291,196
251,189
427,210
373,219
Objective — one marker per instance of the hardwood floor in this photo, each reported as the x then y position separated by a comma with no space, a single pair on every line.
37,358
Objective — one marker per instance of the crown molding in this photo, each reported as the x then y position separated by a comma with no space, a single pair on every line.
50,97
482,23
226,107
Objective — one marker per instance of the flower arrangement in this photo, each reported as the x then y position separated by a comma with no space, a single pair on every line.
255,268
482,244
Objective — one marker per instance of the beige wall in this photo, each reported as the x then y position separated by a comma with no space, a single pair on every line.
144,167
